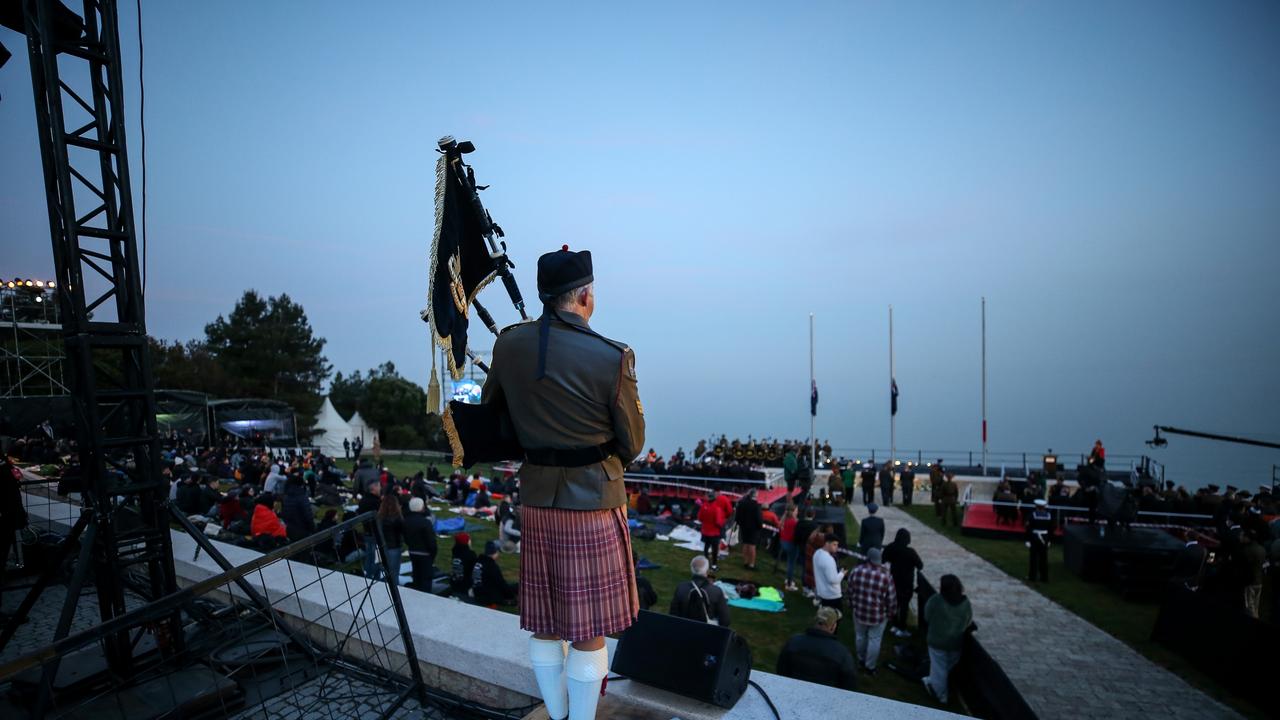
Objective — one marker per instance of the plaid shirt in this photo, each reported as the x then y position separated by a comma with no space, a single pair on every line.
871,593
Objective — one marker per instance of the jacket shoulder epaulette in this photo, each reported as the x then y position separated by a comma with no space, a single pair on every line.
513,326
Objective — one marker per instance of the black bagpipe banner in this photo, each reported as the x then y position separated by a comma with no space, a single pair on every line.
460,261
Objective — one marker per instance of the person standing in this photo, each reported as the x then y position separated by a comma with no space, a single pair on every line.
13,515
868,484
371,501
935,487
1039,530
903,562
886,484
420,537
826,573
346,449
574,403
949,616
950,500
712,519
391,518
787,536
1252,558
816,655
1098,456
698,598
908,484
871,530
750,519
874,600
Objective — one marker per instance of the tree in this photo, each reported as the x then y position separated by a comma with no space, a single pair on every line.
346,392
176,366
269,349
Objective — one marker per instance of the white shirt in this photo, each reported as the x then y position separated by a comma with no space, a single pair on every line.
826,578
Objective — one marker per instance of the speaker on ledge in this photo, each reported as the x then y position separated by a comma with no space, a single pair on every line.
698,660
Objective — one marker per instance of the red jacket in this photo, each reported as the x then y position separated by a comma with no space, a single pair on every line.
266,522
725,505
712,519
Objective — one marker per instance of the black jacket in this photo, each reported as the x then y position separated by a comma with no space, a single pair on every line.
748,515
871,532
685,605
903,561
648,596
488,585
461,566
818,657
296,512
187,498
12,513
420,533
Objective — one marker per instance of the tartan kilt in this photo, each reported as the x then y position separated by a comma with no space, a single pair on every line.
577,580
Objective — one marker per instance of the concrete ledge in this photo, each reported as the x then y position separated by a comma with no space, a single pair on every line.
479,653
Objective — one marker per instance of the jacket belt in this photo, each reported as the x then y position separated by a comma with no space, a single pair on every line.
574,457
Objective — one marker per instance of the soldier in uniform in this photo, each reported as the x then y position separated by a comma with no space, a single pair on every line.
1039,527
575,408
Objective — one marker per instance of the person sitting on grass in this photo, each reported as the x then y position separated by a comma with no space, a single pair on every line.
267,530
644,588
488,586
698,598
462,564
816,655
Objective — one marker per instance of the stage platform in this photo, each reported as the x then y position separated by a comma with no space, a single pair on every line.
1135,560
980,521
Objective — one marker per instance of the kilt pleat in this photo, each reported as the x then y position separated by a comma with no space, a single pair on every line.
577,580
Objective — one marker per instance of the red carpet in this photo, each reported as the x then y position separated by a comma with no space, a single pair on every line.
980,520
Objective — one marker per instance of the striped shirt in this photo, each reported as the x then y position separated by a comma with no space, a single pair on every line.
871,593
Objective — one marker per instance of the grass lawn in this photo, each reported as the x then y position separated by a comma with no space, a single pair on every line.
765,632
1129,621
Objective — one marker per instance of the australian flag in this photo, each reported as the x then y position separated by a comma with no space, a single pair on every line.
813,398
893,396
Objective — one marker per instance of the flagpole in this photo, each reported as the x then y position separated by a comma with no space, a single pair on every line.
893,417
984,386
813,441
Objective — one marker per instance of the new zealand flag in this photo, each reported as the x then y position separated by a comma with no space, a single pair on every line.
813,398
893,396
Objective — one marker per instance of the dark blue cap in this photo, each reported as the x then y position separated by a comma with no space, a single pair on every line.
562,271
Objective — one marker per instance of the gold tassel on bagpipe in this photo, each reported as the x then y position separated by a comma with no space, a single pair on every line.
451,431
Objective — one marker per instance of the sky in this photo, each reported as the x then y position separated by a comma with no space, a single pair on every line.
1106,175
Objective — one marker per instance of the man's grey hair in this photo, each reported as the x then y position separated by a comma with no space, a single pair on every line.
699,566
566,300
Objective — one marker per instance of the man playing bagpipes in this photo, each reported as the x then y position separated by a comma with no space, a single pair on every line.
564,399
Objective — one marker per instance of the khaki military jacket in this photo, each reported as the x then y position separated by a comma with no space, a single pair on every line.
588,397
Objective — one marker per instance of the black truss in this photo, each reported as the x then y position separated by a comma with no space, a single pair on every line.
79,97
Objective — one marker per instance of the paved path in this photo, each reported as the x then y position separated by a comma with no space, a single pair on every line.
1063,666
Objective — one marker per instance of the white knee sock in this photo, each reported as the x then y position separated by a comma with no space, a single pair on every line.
584,670
547,658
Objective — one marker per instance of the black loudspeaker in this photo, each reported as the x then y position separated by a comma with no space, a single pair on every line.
695,659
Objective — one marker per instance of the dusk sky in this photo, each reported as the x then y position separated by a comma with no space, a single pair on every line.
1107,175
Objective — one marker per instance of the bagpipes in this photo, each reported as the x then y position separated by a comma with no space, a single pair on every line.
467,253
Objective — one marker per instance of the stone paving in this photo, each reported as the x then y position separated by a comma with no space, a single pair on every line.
336,696
1064,666
37,632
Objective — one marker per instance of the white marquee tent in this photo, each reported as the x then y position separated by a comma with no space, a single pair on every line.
331,430
361,429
